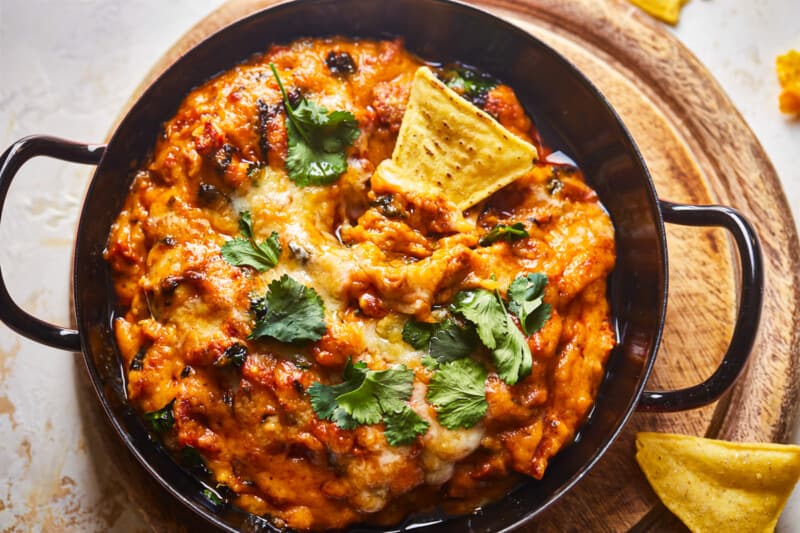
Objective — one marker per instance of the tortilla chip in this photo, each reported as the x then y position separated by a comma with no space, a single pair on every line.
715,486
447,146
788,68
667,10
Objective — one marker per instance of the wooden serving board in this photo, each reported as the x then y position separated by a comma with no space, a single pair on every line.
699,150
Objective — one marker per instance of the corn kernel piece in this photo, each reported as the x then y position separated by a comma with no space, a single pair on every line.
788,68
667,10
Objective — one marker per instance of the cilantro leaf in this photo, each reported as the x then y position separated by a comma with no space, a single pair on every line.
246,224
212,497
317,139
137,363
452,341
310,166
497,331
482,309
344,420
162,420
457,390
247,252
501,232
470,83
244,252
323,397
403,427
512,357
381,391
526,300
290,312
418,334
429,362
370,397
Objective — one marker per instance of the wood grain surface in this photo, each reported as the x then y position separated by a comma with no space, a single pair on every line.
699,150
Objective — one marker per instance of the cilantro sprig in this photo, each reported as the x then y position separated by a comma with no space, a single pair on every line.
497,331
247,252
502,232
289,312
161,420
317,139
370,397
457,387
457,391
526,300
496,327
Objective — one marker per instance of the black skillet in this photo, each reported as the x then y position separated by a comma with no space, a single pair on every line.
572,115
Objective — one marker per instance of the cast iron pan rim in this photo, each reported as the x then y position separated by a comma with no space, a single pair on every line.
630,145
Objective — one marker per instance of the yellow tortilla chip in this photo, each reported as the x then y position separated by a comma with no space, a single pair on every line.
788,67
667,10
448,146
715,486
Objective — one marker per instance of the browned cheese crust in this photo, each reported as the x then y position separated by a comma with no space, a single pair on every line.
254,426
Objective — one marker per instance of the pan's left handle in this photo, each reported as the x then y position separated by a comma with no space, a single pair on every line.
17,154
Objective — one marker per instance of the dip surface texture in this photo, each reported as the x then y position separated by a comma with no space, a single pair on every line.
238,409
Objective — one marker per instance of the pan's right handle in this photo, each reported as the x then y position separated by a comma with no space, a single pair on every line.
751,293
17,154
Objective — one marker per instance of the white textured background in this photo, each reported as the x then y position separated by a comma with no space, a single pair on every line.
66,69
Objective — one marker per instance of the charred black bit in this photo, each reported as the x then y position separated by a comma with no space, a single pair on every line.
169,284
479,100
565,170
138,360
295,96
209,195
225,491
299,253
168,241
554,186
301,361
253,168
266,113
340,63
222,157
187,371
235,354
227,398
298,387
258,307
388,207
190,458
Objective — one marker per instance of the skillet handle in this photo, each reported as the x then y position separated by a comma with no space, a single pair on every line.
10,162
744,332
